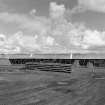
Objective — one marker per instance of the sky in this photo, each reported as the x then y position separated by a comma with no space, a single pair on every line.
52,26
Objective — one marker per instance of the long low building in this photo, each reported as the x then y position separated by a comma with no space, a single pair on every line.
75,58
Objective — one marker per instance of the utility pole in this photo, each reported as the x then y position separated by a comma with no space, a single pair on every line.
71,55
31,55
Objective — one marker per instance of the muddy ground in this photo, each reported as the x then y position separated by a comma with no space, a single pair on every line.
48,88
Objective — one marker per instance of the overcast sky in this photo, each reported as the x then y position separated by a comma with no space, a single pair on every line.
52,26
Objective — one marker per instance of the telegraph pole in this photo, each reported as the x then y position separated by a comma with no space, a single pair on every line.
31,55
71,55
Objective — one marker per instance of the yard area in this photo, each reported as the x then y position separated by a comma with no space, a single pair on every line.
48,88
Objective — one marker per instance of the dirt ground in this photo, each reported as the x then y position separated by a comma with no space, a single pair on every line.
48,88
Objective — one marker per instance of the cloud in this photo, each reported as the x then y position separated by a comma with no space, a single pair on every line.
50,34
94,5
6,47
37,24
56,10
24,42
18,43
48,41
33,12
94,38
2,39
